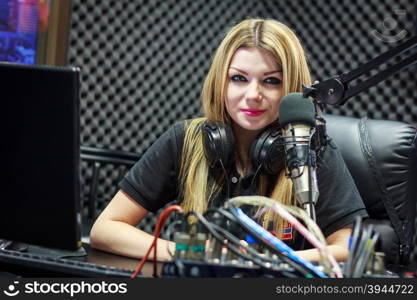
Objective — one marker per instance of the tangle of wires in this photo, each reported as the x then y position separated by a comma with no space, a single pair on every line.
361,248
228,237
313,234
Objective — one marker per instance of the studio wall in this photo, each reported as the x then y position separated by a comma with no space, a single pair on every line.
143,62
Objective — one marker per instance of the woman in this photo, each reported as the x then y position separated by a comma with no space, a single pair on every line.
257,63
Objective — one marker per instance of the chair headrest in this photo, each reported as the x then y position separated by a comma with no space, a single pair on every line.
381,155
393,147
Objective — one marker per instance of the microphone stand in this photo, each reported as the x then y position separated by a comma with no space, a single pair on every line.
336,90
310,205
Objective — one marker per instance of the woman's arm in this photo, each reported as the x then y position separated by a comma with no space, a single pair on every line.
115,230
337,245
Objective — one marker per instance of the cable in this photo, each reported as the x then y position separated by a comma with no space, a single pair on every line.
311,238
211,228
296,211
234,239
226,177
180,266
237,241
161,222
272,242
159,225
352,245
170,228
254,176
317,240
362,245
361,250
363,259
283,258
220,210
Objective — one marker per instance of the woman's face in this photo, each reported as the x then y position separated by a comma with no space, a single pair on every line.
254,89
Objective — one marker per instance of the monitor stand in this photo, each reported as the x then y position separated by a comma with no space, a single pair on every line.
13,246
38,250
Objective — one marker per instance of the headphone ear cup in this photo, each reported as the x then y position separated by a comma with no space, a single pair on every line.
229,144
218,141
267,151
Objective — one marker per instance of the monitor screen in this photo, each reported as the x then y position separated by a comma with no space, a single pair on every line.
39,155
21,24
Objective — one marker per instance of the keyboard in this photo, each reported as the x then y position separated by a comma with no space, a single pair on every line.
44,266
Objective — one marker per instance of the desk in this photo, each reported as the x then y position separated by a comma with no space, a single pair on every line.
95,263
112,260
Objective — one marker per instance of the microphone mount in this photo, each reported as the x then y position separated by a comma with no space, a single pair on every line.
336,90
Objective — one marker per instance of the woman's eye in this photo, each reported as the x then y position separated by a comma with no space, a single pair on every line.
272,80
238,78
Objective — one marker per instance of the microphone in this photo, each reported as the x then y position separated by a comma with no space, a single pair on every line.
297,118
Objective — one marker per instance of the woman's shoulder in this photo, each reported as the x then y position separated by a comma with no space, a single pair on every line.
177,131
179,128
182,125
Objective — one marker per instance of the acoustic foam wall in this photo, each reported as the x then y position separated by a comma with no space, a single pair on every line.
143,62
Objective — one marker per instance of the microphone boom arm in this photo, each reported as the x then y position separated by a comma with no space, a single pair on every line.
336,90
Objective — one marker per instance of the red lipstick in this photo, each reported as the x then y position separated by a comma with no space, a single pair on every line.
253,112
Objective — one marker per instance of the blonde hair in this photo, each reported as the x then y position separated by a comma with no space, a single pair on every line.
281,42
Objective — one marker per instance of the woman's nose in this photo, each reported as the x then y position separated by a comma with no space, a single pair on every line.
253,91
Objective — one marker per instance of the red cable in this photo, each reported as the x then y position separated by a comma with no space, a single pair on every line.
161,219
159,224
158,229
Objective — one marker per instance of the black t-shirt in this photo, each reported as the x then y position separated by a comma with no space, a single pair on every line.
153,182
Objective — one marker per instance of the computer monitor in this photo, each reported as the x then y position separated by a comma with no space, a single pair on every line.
40,156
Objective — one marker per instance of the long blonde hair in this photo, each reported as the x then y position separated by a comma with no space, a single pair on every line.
280,41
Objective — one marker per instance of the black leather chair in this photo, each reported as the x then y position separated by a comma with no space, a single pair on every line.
382,158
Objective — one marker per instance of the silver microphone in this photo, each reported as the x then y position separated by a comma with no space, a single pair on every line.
297,117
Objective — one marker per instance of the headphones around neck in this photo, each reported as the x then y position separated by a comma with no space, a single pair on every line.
266,153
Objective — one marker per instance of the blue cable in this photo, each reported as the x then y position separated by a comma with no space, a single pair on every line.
277,243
